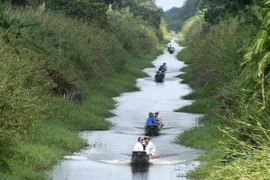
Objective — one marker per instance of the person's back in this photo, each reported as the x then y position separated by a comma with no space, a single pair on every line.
164,67
161,68
150,121
169,47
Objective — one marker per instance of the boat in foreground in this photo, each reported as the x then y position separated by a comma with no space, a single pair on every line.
139,158
159,77
152,130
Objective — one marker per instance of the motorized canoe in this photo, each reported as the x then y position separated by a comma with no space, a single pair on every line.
139,158
152,130
159,77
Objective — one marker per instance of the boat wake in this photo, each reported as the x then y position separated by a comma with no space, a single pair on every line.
117,161
151,161
78,157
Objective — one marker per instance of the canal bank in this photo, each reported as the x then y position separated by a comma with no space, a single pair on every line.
108,156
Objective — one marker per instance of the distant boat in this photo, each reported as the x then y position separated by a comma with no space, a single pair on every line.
152,130
171,51
139,158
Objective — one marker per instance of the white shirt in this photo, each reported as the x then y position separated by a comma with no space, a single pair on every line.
138,147
158,119
150,147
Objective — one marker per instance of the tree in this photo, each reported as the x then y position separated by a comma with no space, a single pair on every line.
257,57
217,10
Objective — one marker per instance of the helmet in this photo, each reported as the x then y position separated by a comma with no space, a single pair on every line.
151,114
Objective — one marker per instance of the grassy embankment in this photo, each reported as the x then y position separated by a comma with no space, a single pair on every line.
232,127
58,77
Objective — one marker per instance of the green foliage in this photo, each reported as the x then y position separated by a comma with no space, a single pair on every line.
176,17
256,54
216,65
200,106
209,138
216,11
184,55
198,93
86,11
56,133
44,68
144,9
11,25
6,149
249,143
220,59
135,35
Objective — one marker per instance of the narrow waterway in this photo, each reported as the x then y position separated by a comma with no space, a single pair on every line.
108,158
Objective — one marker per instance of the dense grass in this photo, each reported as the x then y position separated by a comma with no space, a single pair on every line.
200,106
234,129
43,69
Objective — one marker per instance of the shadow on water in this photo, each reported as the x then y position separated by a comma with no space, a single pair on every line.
109,153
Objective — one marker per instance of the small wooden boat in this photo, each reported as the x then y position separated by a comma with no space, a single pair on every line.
159,77
139,158
152,130
171,51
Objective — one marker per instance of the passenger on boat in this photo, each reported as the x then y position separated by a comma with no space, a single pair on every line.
169,47
139,145
151,120
158,119
150,148
161,69
164,67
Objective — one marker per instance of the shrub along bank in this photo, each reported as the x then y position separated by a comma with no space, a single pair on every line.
221,61
58,77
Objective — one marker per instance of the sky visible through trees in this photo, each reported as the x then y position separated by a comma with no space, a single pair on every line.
168,4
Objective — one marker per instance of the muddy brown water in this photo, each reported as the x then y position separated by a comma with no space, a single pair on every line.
108,157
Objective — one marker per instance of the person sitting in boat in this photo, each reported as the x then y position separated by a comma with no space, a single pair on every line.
151,120
163,68
158,119
169,47
150,148
139,146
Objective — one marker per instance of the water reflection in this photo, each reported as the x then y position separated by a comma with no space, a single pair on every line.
140,172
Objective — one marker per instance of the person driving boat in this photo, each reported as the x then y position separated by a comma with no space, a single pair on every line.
151,120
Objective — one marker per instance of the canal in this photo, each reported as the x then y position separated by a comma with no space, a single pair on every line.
108,157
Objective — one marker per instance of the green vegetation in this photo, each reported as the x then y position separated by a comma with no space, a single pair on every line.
176,17
59,72
226,53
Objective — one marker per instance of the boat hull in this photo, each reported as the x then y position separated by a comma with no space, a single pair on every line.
152,130
171,51
159,77
139,158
